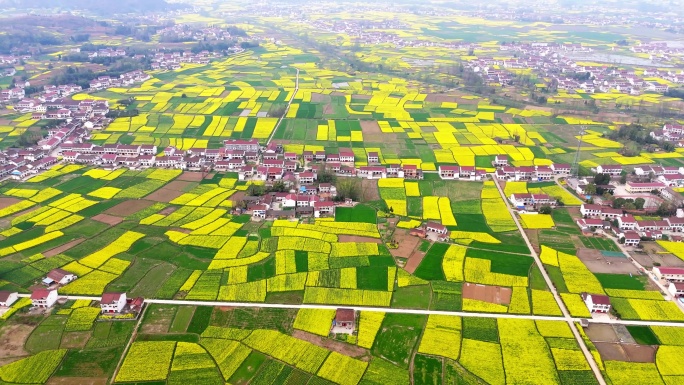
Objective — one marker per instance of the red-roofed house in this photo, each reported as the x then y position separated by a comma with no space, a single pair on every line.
112,302
596,303
60,276
449,172
676,289
672,274
44,298
611,169
323,208
7,298
434,227
632,238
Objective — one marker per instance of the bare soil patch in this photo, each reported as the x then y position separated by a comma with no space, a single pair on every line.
337,346
492,294
127,208
75,340
356,238
649,260
438,98
5,202
12,340
414,260
319,98
63,248
640,353
238,196
168,210
164,195
370,127
407,243
77,381
598,263
178,185
601,333
108,219
191,176
370,189
611,351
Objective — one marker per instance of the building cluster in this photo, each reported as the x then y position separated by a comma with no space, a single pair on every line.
627,226
53,101
7,71
107,52
21,163
531,173
549,61
673,277
172,61
673,133
309,200
76,111
181,32
127,79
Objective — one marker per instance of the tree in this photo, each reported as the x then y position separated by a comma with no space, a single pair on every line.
623,179
602,179
348,188
639,203
255,190
278,186
326,175
545,209
590,189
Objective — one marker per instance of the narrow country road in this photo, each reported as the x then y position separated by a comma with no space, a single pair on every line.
382,309
287,109
571,321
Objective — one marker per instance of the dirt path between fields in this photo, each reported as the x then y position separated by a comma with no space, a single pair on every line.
338,346
63,248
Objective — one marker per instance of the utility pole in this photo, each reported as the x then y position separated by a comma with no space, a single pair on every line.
574,170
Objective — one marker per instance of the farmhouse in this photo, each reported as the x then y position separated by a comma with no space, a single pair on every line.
671,274
449,172
592,223
647,187
632,238
59,276
112,302
345,321
44,298
500,160
596,303
433,227
612,169
676,289
7,298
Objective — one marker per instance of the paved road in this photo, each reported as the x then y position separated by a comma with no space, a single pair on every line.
384,310
556,296
287,109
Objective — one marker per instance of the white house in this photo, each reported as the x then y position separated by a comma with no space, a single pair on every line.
113,302
613,169
436,228
44,298
59,276
632,238
7,298
596,303
676,289
672,274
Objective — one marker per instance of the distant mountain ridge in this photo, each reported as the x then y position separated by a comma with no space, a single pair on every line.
98,7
